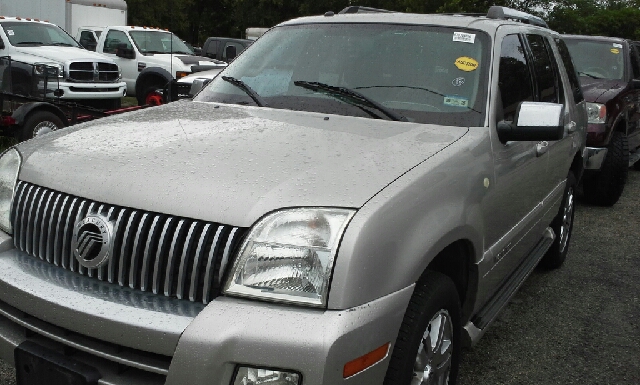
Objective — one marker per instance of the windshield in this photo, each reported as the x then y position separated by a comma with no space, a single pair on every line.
159,42
597,59
411,73
22,34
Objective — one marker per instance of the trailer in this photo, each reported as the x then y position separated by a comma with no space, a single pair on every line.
69,14
28,108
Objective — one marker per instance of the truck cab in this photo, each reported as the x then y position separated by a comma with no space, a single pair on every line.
88,37
150,58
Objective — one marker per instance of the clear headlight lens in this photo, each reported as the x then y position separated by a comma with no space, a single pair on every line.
9,167
596,113
49,69
288,256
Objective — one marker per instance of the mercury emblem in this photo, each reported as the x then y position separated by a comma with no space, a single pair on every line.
92,240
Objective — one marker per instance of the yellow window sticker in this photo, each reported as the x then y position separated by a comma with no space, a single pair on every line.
615,50
467,64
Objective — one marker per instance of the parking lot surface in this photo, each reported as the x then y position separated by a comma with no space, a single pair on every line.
576,325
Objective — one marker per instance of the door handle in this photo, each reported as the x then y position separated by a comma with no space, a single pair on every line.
571,127
541,148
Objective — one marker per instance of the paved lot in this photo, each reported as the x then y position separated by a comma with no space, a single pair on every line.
576,325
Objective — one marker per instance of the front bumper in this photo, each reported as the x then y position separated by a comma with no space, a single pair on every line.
159,340
76,91
595,157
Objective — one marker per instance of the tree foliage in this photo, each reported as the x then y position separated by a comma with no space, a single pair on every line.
195,20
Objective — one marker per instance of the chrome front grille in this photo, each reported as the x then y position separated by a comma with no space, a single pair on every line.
93,72
164,254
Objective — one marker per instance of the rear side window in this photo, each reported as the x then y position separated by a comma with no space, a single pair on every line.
571,70
212,49
543,66
514,77
635,60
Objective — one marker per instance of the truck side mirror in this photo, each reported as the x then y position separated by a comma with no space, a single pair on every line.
230,52
124,52
1,44
534,121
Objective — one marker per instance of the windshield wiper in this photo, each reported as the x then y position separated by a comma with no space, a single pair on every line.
30,43
62,44
589,75
157,52
352,97
248,90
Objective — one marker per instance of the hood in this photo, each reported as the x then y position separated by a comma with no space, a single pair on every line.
600,90
174,63
200,60
57,54
229,164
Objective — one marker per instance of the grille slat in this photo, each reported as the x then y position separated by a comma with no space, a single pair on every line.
171,256
184,260
50,236
42,247
159,257
148,252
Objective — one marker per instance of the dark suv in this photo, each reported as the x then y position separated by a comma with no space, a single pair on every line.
609,70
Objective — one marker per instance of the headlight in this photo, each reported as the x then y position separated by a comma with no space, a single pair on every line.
596,113
49,69
9,167
288,256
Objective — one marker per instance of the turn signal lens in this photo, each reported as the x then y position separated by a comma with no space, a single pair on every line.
368,360
181,74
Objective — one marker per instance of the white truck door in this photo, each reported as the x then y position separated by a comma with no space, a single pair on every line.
108,44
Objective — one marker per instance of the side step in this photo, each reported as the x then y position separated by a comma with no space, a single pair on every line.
479,323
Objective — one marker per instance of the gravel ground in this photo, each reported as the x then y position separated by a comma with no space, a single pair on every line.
576,325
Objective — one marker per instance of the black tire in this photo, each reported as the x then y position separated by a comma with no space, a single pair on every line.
39,123
435,293
562,226
605,186
150,96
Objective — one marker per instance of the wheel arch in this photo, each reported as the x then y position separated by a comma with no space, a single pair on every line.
151,75
22,113
457,261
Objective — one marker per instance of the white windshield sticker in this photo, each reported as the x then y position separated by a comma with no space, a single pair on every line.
456,101
464,37
10,32
617,45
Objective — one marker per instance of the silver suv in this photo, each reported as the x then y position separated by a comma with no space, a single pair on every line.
351,201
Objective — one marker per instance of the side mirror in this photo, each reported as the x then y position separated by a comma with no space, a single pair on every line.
635,84
230,52
1,44
535,121
124,52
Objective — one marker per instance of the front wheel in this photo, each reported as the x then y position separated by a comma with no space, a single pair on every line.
427,351
562,226
39,123
604,187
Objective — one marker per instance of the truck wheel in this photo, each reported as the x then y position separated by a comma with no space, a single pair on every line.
562,226
40,123
427,350
150,96
604,187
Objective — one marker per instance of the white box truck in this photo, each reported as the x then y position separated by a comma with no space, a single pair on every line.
69,14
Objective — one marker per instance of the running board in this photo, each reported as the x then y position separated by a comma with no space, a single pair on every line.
634,157
479,323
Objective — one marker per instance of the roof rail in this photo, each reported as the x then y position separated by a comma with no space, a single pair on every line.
359,9
504,13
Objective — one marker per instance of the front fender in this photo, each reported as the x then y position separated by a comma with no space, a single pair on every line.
21,113
392,239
